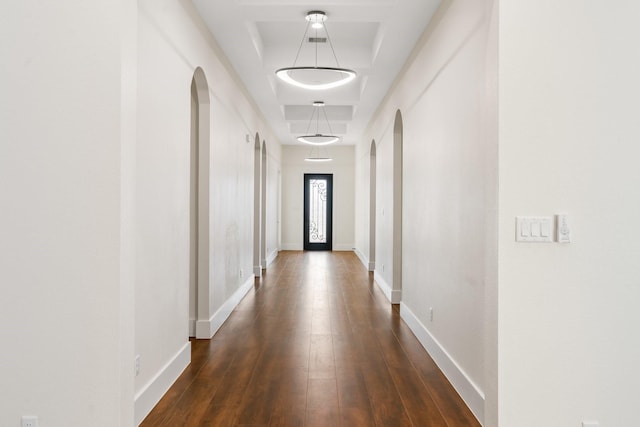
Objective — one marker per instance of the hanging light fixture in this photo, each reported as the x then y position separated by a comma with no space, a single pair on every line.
318,138
315,77
316,155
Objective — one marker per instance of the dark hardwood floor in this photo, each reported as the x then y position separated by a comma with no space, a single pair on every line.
314,344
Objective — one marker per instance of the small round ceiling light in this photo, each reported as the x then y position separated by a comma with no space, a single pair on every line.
316,77
316,18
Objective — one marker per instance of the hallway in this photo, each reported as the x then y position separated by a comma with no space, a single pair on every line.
315,344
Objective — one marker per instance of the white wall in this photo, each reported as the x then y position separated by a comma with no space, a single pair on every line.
569,142
449,193
90,210
172,43
67,117
273,202
362,203
293,169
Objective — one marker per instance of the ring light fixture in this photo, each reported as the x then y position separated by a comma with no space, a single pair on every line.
318,138
316,77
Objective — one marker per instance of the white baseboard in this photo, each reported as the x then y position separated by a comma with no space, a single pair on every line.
363,259
370,266
151,393
393,295
343,248
205,329
299,247
466,388
271,257
192,327
291,247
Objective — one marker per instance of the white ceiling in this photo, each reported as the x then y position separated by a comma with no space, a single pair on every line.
373,37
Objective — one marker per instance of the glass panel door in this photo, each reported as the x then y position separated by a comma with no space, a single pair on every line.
318,195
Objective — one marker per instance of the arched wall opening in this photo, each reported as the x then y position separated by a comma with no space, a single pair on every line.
199,304
372,207
396,294
257,206
263,206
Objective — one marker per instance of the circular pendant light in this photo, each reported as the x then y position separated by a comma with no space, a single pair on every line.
316,77
318,159
318,138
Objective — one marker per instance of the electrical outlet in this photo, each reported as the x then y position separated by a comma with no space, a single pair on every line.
431,314
241,274
137,365
29,421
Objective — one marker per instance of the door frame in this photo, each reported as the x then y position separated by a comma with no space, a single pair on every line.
308,246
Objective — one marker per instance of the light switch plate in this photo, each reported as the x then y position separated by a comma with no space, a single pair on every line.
534,229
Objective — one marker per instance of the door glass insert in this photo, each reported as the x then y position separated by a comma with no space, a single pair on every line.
317,211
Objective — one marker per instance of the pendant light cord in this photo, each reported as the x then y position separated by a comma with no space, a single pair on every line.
326,30
327,120
311,120
316,114
304,36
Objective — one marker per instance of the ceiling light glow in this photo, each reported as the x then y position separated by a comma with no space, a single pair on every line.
315,77
342,76
318,139
318,159
316,17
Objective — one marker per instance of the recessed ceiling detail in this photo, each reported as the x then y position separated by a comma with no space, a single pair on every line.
372,37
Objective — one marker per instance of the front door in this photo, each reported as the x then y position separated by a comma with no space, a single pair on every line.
318,212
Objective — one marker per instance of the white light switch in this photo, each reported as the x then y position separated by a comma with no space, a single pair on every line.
534,229
545,229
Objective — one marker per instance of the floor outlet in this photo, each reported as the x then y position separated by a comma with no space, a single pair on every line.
29,421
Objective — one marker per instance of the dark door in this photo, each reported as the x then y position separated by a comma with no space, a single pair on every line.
318,212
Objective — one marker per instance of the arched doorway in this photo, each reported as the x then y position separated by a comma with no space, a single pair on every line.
263,206
199,304
396,294
257,206
372,207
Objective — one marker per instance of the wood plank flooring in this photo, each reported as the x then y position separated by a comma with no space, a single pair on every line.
315,344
